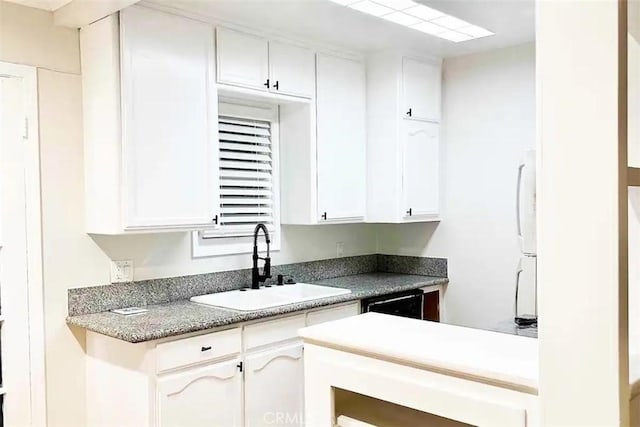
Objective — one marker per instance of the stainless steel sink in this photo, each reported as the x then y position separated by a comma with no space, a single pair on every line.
274,296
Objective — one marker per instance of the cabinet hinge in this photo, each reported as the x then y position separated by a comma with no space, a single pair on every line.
25,131
240,366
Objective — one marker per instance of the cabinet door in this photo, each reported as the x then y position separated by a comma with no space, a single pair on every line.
274,387
421,173
341,150
169,114
243,59
203,397
421,86
292,69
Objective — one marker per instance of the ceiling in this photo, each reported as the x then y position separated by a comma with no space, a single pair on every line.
49,5
513,21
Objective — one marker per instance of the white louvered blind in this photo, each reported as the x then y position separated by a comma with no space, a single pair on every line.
246,176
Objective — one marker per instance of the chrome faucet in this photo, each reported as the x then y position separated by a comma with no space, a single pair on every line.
256,277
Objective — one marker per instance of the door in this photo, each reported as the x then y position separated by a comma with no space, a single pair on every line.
21,352
421,86
274,387
243,59
202,397
170,143
341,144
421,173
292,69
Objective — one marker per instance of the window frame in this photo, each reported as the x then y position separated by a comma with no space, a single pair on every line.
215,242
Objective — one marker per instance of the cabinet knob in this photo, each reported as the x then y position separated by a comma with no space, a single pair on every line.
409,212
215,219
267,84
409,112
207,348
276,86
324,216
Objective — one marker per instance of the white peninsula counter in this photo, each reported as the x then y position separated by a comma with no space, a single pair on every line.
391,371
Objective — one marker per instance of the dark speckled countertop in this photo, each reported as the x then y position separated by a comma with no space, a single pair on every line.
181,317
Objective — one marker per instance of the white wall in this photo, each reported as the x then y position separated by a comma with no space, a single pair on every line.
489,121
169,254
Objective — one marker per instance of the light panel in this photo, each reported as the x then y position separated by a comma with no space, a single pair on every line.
419,17
454,36
450,22
423,12
429,28
402,19
371,8
396,4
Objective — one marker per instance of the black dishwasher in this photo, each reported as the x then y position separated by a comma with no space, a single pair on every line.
405,304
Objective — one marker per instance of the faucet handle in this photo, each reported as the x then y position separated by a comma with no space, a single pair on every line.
267,268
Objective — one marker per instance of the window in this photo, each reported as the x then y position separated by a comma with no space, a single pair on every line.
248,181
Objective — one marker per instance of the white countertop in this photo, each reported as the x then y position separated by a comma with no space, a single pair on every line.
507,360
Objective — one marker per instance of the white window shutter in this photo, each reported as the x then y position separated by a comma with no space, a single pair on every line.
246,176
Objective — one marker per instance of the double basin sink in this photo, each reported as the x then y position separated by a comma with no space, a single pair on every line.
268,297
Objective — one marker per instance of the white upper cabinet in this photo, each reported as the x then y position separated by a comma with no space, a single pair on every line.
243,59
403,153
341,144
254,62
274,387
421,83
420,173
169,131
150,123
209,396
291,69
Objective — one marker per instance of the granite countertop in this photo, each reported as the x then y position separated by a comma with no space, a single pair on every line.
181,317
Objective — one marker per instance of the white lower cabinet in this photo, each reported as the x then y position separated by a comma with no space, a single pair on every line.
209,396
251,375
274,387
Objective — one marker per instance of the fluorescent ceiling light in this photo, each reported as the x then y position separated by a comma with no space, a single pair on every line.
396,4
429,28
475,31
420,18
450,22
454,36
371,8
402,19
423,12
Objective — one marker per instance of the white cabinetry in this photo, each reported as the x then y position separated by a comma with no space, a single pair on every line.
150,123
209,396
292,69
323,148
243,59
204,380
403,150
421,86
420,168
274,387
342,157
254,62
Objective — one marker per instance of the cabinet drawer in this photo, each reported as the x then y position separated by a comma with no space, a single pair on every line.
329,314
272,331
198,349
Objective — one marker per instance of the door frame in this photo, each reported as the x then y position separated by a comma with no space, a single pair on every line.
37,384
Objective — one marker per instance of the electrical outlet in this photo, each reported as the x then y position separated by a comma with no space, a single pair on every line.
121,271
340,249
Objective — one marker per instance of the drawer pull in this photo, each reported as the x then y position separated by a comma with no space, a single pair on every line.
205,348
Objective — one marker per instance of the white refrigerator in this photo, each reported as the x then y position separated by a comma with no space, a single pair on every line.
525,305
